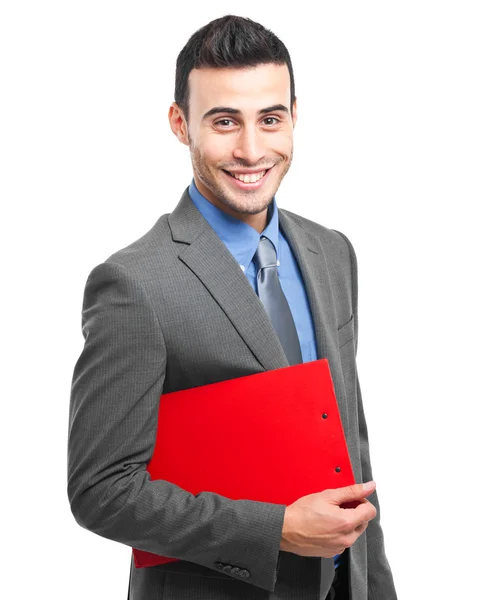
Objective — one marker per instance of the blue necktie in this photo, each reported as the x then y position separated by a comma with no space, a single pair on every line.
273,298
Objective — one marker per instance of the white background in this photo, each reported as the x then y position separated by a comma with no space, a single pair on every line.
397,144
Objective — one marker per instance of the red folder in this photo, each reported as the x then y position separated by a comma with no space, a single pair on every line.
273,436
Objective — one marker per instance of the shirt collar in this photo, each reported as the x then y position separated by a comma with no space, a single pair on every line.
240,238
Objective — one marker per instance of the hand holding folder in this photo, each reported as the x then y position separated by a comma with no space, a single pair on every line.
272,437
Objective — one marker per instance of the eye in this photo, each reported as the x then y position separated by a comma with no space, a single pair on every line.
223,121
271,119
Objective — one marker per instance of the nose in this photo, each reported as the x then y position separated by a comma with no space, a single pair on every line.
250,146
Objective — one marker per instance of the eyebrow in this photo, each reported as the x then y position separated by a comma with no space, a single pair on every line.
235,111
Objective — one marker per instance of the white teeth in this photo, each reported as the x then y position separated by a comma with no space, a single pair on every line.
249,178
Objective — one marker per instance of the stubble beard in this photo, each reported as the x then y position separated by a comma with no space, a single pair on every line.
250,203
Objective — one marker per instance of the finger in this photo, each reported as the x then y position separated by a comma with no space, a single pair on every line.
351,492
361,528
356,533
364,512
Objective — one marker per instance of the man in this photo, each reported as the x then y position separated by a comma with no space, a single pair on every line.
226,285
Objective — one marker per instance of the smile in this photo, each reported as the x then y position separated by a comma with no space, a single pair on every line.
248,181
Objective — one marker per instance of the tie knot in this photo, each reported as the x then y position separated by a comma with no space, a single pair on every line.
265,255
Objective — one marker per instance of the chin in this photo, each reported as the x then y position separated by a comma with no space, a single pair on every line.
252,206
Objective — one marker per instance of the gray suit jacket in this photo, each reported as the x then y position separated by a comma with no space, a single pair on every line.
171,311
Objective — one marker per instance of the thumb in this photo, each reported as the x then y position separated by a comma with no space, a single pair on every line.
351,492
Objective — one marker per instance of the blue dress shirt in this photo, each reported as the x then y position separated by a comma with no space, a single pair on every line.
242,241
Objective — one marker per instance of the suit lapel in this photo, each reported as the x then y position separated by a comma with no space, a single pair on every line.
209,259
206,255
321,296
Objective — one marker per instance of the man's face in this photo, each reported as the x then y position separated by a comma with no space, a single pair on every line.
240,121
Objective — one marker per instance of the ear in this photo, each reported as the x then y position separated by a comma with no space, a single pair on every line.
178,123
294,113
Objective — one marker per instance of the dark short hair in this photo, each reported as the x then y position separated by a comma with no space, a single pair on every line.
230,41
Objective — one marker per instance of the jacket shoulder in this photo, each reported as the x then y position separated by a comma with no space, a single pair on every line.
137,258
146,245
332,240
339,253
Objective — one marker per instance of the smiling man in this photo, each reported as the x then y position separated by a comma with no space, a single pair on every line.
240,136
226,285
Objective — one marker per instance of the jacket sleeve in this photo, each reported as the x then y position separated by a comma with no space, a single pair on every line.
380,579
116,386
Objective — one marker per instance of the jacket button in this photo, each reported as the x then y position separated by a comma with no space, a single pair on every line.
244,573
235,571
218,565
338,469
227,568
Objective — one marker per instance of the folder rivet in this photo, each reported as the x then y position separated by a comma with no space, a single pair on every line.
324,416
338,469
